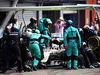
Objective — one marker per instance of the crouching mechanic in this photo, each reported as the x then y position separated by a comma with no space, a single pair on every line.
34,46
71,40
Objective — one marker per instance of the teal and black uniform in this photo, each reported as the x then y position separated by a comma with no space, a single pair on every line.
12,39
44,41
71,39
34,47
12,49
43,24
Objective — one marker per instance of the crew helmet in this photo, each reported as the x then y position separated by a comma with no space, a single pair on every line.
37,31
69,22
28,31
85,28
80,29
33,20
47,21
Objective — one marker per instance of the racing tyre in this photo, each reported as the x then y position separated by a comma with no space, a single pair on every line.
94,43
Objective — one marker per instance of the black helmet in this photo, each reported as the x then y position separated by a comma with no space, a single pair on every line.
32,20
85,29
80,30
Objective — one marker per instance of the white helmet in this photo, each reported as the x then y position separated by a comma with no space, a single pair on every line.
28,31
83,43
80,29
37,31
49,21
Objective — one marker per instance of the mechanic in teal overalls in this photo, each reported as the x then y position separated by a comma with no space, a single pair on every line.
45,31
71,40
34,46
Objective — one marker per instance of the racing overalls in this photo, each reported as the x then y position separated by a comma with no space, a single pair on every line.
43,42
71,36
34,47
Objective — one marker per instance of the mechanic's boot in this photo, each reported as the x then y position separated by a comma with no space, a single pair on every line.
83,67
21,71
92,67
68,68
75,68
44,66
96,65
34,68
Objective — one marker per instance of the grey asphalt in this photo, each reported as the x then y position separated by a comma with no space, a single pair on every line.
57,71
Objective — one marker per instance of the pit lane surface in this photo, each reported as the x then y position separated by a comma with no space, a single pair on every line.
57,71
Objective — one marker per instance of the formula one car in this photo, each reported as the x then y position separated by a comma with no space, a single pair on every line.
56,54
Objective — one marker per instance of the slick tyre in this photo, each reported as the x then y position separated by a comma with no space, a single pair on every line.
94,43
